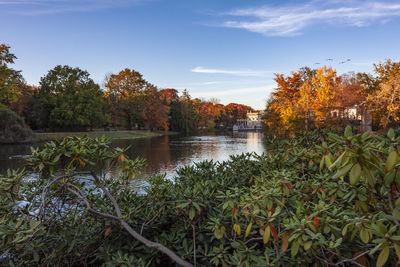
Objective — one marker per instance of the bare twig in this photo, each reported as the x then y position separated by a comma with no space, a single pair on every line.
194,244
117,209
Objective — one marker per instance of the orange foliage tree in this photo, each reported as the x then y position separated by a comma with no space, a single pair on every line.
155,112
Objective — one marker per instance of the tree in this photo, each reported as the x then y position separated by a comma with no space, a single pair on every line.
284,98
71,99
126,91
10,79
385,102
29,107
382,92
5,55
305,102
325,83
169,95
189,116
155,112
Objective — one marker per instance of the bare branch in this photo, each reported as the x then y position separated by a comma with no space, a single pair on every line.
105,191
173,256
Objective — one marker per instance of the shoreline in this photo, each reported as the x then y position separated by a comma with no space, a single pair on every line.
114,135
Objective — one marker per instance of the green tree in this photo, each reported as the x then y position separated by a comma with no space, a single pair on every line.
10,80
189,116
71,99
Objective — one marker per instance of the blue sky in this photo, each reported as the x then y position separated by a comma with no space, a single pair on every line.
225,49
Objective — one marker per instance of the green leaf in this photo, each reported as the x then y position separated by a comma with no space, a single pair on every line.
364,235
294,249
267,234
337,161
397,249
355,174
344,231
192,213
328,161
343,171
389,177
348,132
383,257
391,161
248,229
237,228
307,245
391,134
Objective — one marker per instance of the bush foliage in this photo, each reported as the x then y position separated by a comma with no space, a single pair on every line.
13,128
319,199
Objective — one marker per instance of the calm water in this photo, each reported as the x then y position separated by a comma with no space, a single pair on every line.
164,154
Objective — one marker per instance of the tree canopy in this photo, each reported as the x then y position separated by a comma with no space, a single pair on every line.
71,99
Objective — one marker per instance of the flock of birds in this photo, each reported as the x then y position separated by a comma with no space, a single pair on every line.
331,59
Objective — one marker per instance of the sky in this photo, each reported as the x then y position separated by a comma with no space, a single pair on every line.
224,49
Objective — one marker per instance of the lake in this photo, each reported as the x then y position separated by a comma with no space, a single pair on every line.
163,154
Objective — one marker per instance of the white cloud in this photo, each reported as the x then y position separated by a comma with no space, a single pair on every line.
291,20
257,73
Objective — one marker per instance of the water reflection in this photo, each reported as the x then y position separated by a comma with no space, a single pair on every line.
164,154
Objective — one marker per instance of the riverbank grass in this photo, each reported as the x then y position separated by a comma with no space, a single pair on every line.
41,137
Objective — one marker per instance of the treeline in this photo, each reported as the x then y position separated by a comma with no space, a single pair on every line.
310,98
68,99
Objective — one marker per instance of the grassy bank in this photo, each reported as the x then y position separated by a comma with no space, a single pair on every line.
40,137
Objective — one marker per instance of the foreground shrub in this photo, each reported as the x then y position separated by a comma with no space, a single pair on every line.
315,200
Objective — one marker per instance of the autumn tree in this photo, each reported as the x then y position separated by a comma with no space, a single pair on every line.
305,102
155,112
302,98
71,99
284,98
325,83
6,57
126,92
384,103
350,95
382,89
208,113
169,95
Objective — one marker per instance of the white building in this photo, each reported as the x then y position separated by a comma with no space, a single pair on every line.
253,121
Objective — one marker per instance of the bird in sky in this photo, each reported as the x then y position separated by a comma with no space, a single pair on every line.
329,59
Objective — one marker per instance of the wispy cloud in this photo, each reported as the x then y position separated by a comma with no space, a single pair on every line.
43,7
257,73
240,91
291,20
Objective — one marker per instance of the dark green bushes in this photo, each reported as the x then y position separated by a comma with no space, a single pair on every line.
314,200
13,128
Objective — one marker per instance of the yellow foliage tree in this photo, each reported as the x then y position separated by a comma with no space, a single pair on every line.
385,102
325,83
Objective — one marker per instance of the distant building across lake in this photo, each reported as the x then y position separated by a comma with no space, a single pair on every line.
253,122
